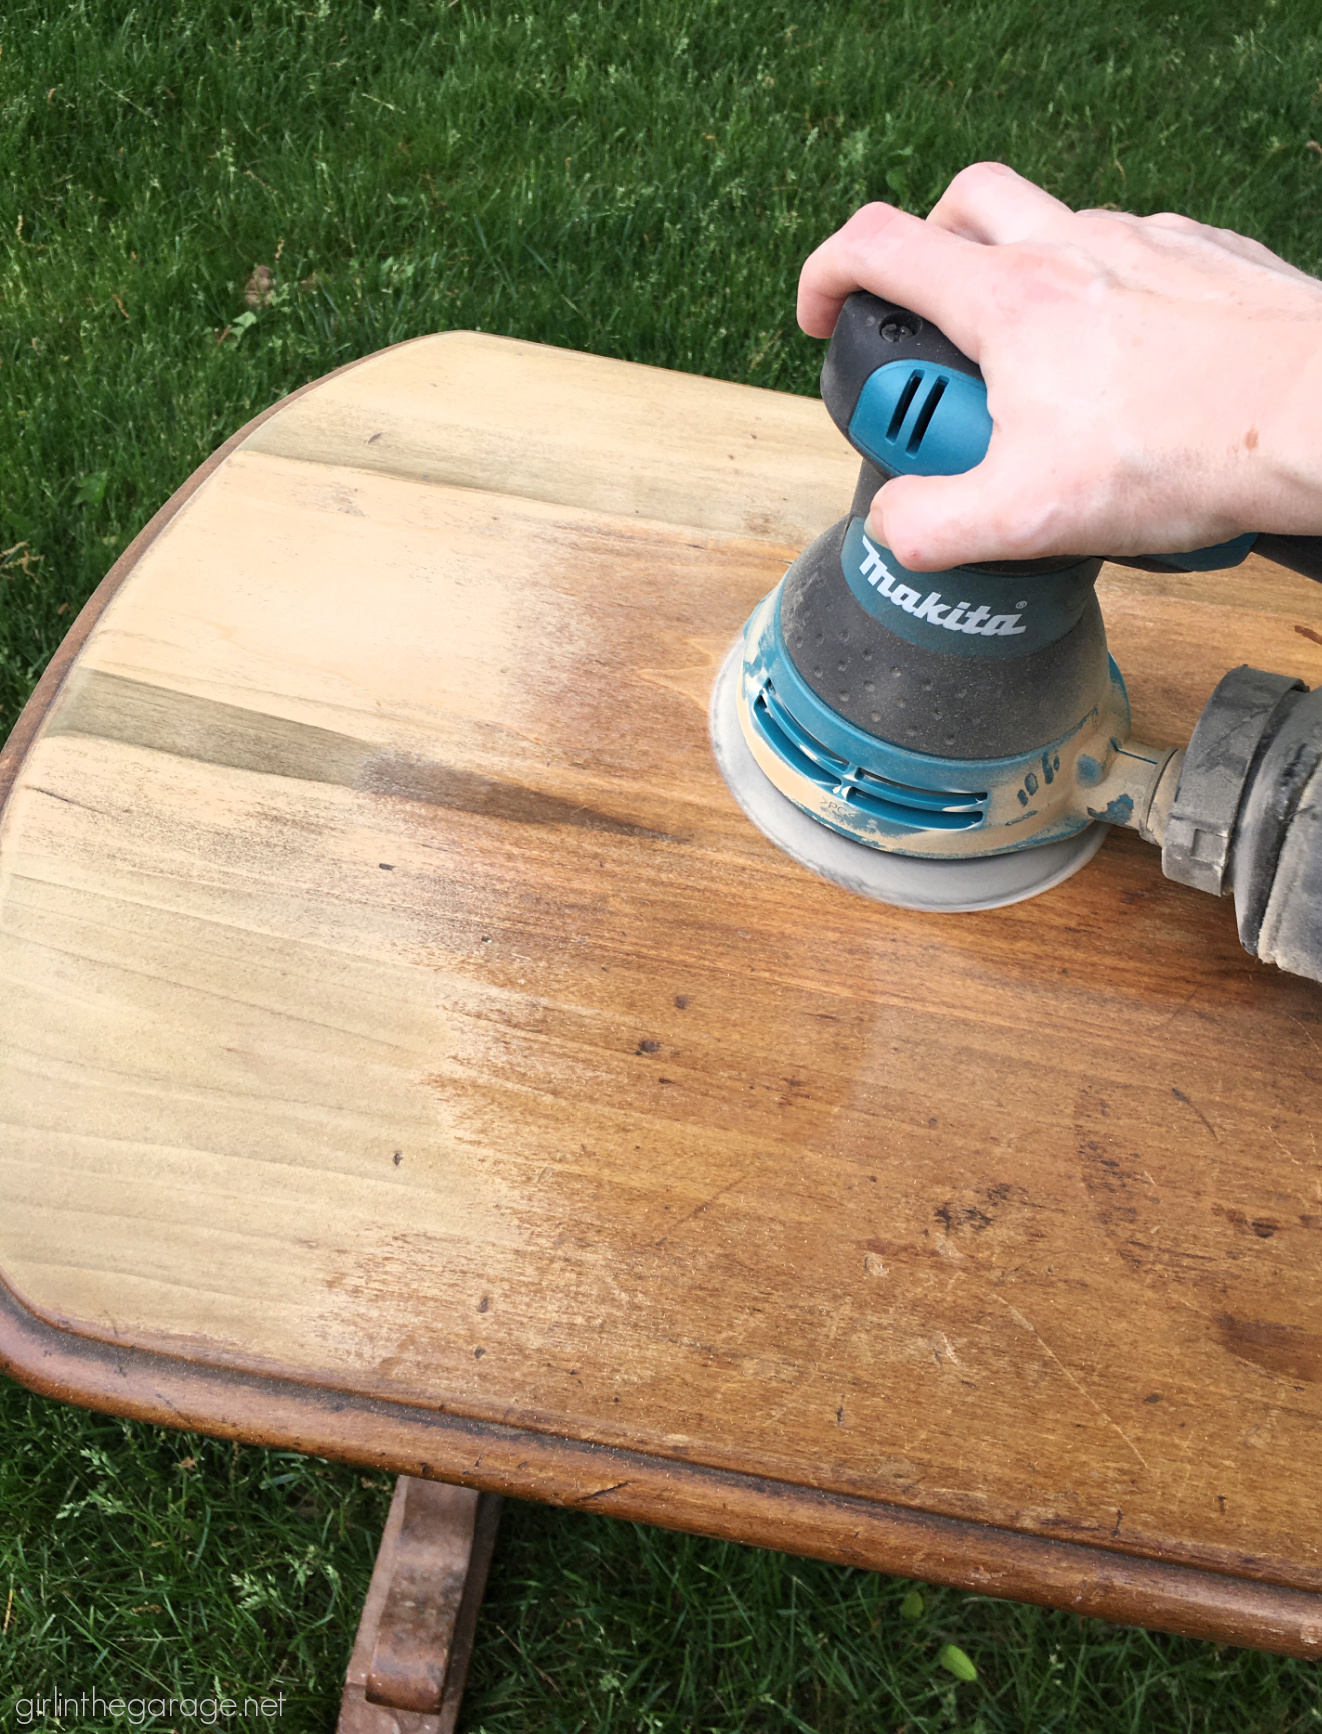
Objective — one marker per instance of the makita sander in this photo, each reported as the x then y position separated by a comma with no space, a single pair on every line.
960,740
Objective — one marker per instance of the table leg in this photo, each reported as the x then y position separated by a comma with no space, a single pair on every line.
415,1639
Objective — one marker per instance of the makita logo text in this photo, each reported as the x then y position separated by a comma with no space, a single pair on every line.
978,622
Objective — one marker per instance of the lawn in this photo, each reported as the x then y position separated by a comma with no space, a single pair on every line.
204,205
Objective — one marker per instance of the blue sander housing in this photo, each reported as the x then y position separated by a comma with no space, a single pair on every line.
959,740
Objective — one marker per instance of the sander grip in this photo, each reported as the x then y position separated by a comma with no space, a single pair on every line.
912,404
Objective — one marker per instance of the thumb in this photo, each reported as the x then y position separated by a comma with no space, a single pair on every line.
988,513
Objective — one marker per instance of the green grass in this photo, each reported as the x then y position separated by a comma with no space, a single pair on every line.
641,181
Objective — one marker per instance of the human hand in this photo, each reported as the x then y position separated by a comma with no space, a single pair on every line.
1154,384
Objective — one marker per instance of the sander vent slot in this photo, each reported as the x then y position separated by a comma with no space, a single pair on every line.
925,415
881,797
906,397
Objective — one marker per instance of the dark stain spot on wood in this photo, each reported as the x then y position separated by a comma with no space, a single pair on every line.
1155,1397
647,1046
1119,1192
137,713
682,1001
385,866
1180,1096
955,1216
484,1305
1260,1227
414,779
399,1157
1287,1350
478,1354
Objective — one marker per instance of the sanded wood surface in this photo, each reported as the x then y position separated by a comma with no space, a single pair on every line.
398,1004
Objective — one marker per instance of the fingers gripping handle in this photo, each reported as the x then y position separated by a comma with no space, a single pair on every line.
912,404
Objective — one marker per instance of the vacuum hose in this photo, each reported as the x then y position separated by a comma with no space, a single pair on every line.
1245,816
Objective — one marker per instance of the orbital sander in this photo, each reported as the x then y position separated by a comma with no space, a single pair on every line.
960,740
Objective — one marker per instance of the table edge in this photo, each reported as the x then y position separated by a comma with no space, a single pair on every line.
407,1439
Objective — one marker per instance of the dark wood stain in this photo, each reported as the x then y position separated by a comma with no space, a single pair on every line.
1287,1350
465,791
136,713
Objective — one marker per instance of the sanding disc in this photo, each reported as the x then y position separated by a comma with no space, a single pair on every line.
951,886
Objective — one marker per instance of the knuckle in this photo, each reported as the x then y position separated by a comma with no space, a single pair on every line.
895,526
865,231
870,219
979,174
1111,225
1028,279
910,551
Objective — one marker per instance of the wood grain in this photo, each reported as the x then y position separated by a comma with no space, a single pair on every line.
401,1008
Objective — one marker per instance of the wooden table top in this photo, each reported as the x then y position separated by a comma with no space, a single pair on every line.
413,1055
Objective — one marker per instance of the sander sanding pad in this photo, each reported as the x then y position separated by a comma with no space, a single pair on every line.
948,887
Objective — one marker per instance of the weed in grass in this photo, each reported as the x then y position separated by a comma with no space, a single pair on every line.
202,207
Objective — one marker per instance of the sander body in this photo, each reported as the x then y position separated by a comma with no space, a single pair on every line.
959,740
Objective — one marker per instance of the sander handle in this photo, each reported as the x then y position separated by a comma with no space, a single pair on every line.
912,404
1302,554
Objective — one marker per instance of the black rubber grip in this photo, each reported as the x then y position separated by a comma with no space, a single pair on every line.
1301,554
